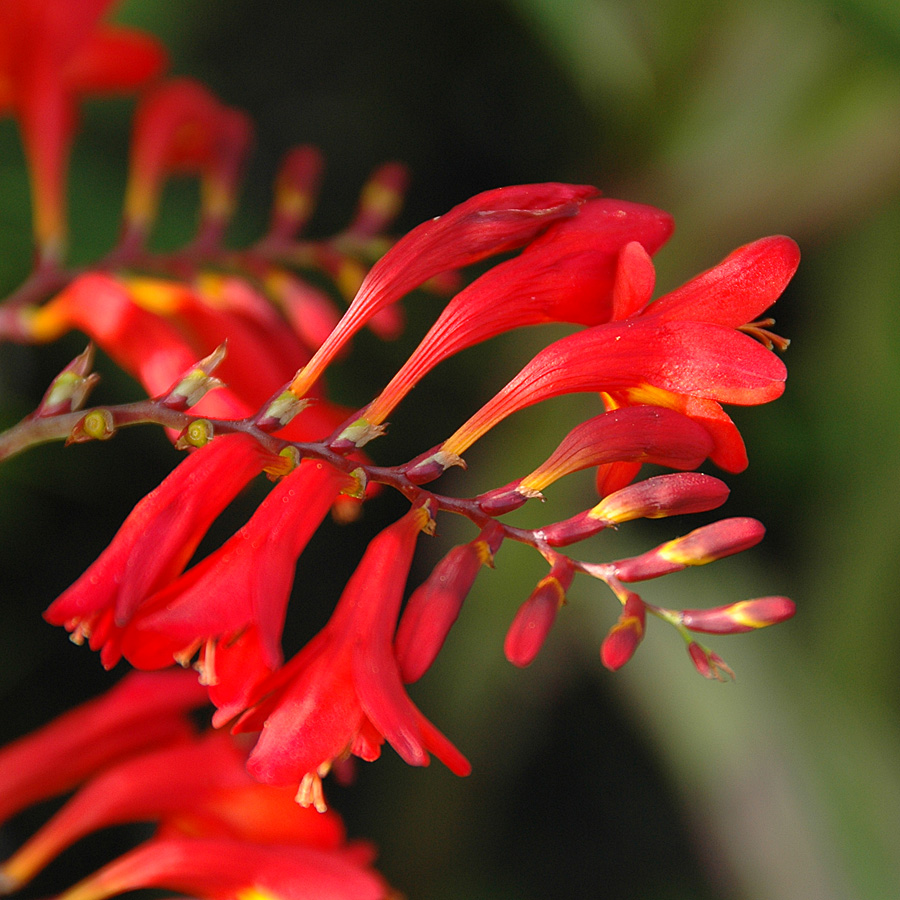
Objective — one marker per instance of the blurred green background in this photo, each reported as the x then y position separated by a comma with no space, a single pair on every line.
740,118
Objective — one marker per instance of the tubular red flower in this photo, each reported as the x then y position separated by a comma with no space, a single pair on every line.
343,692
736,291
141,711
565,275
645,434
487,224
705,361
682,357
246,582
155,542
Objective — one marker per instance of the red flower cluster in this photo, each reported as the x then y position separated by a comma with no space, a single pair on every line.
133,757
662,369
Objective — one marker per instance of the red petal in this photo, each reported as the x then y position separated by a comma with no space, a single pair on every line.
745,284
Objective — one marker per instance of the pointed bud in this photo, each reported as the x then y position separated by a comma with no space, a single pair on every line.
434,606
708,664
69,390
195,383
504,500
736,618
661,496
537,614
697,548
97,425
280,411
623,638
356,435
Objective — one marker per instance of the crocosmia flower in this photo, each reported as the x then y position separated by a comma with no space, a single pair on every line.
343,693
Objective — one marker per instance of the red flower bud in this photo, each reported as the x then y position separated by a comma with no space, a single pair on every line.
623,638
747,615
434,606
536,616
708,664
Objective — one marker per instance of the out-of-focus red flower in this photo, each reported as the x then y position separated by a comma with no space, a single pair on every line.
198,788
155,542
223,868
183,127
142,711
51,54
343,692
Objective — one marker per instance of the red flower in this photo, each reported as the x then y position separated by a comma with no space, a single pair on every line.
343,692
50,54
564,275
222,869
242,587
198,787
155,542
483,226
684,351
140,712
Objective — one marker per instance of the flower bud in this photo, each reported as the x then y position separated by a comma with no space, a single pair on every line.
503,500
708,664
196,383
536,615
432,466
747,615
280,411
198,434
697,548
97,425
434,606
69,390
623,638
661,496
